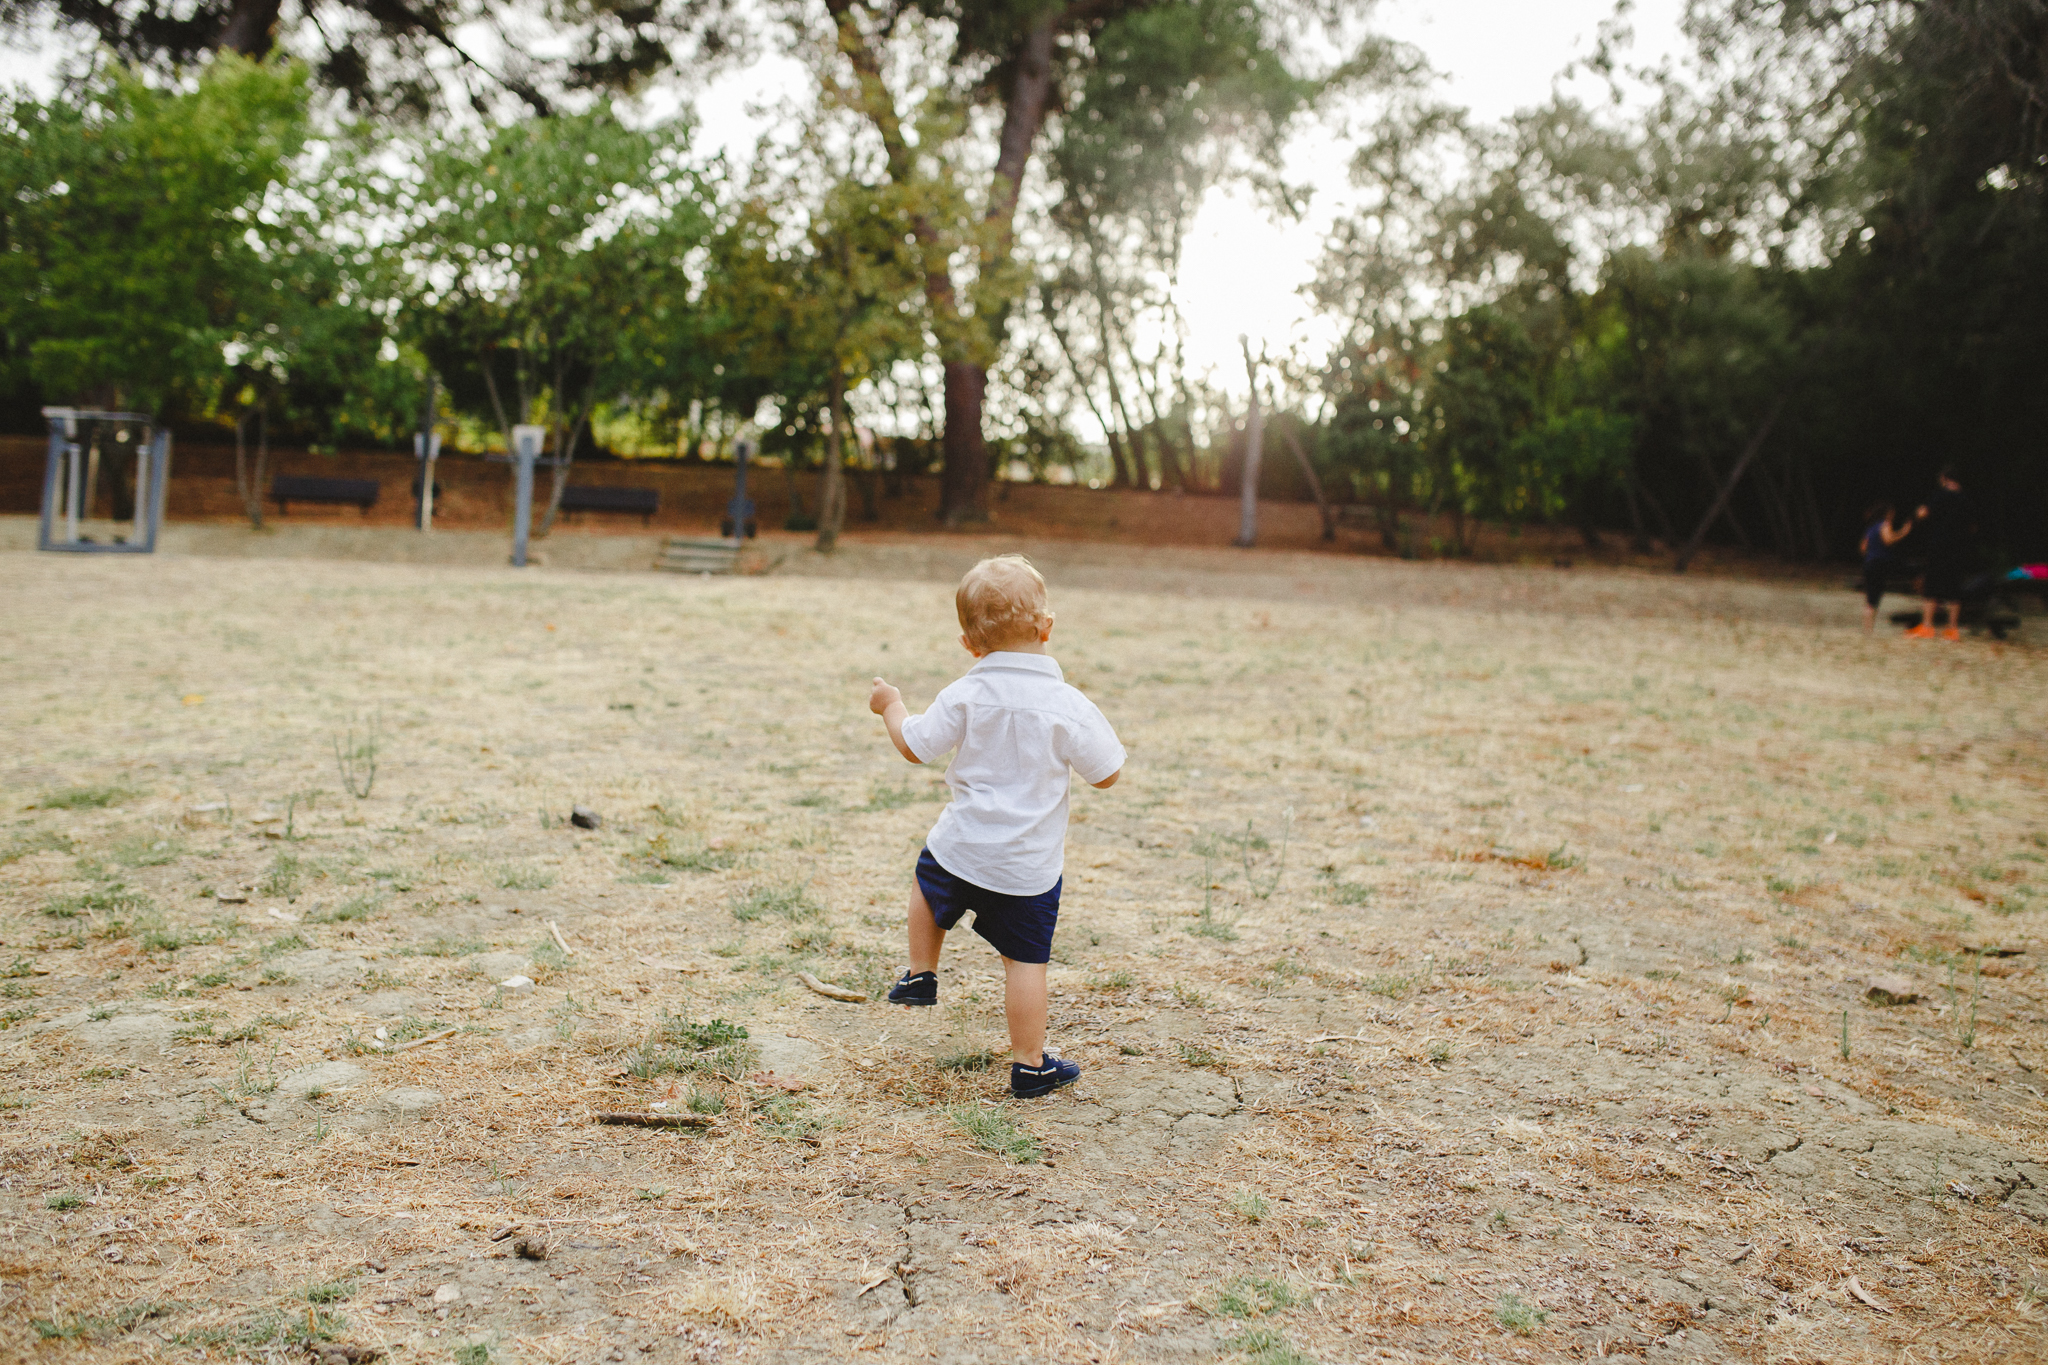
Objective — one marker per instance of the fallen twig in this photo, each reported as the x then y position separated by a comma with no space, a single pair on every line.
560,942
875,1283
832,992
430,1038
643,1120
1856,1288
689,967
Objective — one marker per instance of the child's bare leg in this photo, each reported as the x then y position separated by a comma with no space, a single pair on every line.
926,937
1024,1004
1869,619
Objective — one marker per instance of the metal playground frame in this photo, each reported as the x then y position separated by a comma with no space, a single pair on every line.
71,479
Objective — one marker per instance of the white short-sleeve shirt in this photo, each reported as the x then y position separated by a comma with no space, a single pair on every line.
1018,727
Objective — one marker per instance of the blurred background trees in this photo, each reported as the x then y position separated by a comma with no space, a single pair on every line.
1819,257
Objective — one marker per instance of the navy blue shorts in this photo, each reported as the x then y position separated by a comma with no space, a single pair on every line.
1018,927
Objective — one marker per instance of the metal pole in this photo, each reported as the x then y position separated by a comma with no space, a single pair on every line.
73,472
53,466
525,450
1254,437
160,482
427,447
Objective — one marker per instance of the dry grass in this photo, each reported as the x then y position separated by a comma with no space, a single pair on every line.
1455,979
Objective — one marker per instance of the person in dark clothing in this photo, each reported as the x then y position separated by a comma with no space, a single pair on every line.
1882,531
1944,537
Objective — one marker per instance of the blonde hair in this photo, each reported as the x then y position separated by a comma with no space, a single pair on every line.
1001,602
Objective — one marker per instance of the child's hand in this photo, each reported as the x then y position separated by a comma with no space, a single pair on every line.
883,697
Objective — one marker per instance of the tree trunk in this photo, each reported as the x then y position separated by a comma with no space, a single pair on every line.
251,494
963,482
1119,466
963,485
565,457
832,486
1756,444
1315,486
250,26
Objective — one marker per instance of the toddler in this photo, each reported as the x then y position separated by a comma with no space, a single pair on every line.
1014,728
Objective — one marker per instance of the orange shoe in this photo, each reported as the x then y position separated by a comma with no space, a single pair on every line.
1922,631
1951,634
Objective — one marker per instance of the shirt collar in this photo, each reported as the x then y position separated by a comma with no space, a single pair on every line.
1004,659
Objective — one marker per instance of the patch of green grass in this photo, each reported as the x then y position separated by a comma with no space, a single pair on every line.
882,796
1200,1055
648,877
160,938
124,1319
284,943
147,850
328,1291
473,1353
1254,1296
814,799
283,876
706,1101
1518,1315
442,946
39,841
969,1059
83,798
63,1200
1264,1346
354,908
1439,1054
1249,1205
1189,997
689,852
105,900
814,939
525,878
790,901
9,1018
1113,981
1349,893
993,1130
1391,986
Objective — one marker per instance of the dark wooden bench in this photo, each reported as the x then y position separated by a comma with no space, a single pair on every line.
590,497
286,489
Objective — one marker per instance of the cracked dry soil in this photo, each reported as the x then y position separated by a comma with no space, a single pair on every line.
1483,979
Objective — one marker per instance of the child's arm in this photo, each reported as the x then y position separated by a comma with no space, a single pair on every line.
1107,782
886,702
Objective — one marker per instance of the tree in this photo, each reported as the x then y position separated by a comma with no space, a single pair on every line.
134,221
543,265
409,55
815,290
1033,60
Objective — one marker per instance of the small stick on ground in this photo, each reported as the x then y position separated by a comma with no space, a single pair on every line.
639,1120
690,968
832,992
430,1038
560,942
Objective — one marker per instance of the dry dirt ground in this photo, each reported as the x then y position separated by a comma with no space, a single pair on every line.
1471,964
